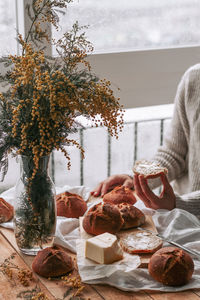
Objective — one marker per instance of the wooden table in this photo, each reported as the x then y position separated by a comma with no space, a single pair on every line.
11,289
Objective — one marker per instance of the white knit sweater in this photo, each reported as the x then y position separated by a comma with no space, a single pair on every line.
180,152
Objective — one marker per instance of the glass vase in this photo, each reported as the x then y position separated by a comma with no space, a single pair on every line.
35,207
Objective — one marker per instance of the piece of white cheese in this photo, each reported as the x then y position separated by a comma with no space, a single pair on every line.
103,249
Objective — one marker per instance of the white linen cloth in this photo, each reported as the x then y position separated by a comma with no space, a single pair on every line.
178,225
67,229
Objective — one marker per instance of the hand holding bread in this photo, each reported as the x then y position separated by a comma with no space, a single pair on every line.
145,170
167,198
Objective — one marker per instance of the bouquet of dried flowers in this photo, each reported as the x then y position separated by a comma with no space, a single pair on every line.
45,94
39,110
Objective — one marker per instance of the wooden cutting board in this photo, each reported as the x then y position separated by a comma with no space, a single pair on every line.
149,224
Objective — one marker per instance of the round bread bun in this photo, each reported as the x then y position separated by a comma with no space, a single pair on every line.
171,266
140,242
148,169
101,218
70,205
120,194
132,216
6,211
52,262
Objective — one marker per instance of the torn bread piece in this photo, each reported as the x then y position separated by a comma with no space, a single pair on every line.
140,242
148,169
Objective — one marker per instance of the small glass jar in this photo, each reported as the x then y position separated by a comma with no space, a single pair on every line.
35,207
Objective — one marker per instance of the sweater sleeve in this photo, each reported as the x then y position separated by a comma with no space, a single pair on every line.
173,153
189,202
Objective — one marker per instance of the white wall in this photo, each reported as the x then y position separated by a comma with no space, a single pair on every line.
147,77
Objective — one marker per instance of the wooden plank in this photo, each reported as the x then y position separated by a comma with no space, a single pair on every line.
112,293
56,287
197,292
189,295
93,292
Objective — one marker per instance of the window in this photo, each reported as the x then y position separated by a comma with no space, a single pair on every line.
125,25
132,29
143,47
8,43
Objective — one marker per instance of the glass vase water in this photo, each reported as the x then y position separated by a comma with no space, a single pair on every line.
35,207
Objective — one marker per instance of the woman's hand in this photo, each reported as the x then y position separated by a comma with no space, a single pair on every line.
167,198
111,182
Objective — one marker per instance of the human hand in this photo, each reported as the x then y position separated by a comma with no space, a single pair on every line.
111,182
167,198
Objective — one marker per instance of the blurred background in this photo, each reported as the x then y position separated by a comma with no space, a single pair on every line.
143,47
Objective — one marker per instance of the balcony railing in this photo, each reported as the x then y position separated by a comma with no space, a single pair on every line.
143,133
